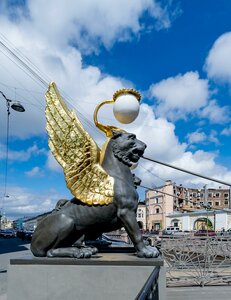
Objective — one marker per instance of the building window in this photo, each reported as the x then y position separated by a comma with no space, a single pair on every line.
226,195
226,202
217,194
210,195
217,203
157,210
157,200
157,226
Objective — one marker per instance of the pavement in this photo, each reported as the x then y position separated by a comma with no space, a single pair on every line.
13,248
199,293
10,248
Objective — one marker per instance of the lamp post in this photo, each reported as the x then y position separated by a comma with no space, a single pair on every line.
17,106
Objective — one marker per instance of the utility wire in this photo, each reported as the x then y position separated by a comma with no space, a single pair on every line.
18,53
20,88
146,169
26,68
24,65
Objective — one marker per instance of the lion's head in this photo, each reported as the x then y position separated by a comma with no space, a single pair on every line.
127,148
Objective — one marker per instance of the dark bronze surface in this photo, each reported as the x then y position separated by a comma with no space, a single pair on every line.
73,220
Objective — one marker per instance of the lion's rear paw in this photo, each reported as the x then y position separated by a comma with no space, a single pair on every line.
85,252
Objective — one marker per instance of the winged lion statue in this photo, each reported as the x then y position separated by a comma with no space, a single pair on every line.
101,181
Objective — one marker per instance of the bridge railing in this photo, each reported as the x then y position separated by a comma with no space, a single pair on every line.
151,288
197,260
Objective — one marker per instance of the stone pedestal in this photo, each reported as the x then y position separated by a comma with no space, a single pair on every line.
105,276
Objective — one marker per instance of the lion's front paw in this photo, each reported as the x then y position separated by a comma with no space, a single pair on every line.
148,252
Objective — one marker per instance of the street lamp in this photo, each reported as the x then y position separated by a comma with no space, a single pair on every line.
126,105
17,106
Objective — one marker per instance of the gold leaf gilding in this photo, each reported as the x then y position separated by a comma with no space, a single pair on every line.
76,152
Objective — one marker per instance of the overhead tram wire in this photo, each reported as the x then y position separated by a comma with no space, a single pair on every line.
20,67
186,171
33,69
20,88
24,65
39,106
44,83
24,59
26,68
151,172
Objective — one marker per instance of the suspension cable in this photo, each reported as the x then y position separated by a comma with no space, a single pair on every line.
186,171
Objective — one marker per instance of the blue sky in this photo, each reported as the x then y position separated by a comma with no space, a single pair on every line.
176,53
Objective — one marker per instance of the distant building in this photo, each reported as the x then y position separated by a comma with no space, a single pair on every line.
169,198
29,224
141,215
18,223
5,223
191,199
159,203
198,220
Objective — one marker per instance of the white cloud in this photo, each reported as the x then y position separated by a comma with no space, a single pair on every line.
218,62
22,155
158,134
196,137
35,172
213,137
203,163
84,22
179,96
226,131
200,137
215,113
52,163
26,202
36,34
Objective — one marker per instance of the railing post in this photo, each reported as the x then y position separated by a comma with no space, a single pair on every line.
150,290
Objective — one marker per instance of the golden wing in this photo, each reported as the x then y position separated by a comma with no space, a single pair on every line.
76,152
